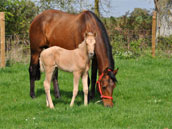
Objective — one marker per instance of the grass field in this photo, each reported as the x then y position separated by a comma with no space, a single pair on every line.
142,99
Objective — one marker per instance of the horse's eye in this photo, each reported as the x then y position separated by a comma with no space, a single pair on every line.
104,87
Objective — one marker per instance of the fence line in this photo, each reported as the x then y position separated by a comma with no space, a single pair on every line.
17,46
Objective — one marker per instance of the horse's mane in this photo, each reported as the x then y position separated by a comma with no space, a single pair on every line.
90,16
95,20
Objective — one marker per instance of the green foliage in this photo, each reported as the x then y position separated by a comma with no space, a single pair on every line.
130,34
164,43
135,47
139,19
121,50
72,6
18,15
142,99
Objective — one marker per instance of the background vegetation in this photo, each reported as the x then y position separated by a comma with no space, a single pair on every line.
130,35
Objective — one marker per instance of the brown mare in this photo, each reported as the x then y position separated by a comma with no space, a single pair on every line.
57,28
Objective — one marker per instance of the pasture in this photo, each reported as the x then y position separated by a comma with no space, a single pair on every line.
142,99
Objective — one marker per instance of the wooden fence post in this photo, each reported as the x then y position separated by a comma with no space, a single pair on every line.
153,33
2,38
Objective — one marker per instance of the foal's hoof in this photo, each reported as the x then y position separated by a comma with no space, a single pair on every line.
51,107
71,105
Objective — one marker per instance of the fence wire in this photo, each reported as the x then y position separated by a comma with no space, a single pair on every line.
127,43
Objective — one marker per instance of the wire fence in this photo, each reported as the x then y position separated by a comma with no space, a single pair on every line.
17,48
125,43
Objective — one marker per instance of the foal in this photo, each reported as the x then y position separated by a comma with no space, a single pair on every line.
76,61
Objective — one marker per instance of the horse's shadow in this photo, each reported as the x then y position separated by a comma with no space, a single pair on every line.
66,97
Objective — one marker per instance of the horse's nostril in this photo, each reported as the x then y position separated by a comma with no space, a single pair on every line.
91,55
109,106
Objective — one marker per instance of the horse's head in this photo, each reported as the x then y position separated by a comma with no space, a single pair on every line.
90,40
106,84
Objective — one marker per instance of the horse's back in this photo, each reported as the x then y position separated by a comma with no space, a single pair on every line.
57,28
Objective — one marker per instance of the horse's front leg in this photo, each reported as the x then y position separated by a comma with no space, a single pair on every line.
93,77
76,76
55,84
85,87
88,88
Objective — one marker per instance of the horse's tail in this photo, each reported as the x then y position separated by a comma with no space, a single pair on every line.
41,65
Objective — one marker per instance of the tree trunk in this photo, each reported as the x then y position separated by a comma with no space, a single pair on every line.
164,17
96,8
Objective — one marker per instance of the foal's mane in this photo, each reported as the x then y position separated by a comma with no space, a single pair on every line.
82,44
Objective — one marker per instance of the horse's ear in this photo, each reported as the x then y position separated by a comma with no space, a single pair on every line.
95,34
116,71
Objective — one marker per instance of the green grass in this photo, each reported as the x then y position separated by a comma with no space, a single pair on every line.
142,99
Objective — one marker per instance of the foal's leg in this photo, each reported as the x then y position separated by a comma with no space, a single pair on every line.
75,86
85,87
47,83
55,84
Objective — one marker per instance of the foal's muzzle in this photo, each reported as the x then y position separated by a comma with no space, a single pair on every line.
90,55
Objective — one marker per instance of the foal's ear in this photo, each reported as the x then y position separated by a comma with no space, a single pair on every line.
116,71
95,34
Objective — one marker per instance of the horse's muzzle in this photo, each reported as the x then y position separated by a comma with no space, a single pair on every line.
90,55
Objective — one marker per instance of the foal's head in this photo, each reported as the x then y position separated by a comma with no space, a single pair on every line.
90,41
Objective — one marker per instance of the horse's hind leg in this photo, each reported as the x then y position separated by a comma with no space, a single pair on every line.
34,72
75,86
55,84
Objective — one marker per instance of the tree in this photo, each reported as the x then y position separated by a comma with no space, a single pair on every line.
18,15
65,5
72,6
164,17
96,8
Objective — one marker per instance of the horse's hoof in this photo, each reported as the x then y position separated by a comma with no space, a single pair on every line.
91,97
57,96
32,96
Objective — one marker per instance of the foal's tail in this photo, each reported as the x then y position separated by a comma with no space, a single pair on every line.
41,65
